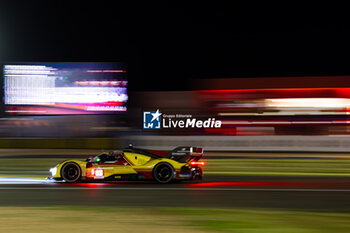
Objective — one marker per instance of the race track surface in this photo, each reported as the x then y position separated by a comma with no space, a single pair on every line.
279,192
322,194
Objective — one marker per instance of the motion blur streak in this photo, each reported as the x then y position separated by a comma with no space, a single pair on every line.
19,180
88,185
273,183
105,71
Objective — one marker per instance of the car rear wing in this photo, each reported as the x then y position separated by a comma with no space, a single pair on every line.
185,153
197,151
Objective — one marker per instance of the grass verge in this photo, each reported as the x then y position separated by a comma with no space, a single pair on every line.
111,219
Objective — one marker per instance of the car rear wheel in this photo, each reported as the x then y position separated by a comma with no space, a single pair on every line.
71,172
163,173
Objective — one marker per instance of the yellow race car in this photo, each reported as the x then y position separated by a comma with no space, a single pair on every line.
182,163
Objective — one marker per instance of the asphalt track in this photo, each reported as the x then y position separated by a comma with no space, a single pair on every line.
302,193
321,194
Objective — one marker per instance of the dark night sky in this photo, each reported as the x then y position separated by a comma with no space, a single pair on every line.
167,43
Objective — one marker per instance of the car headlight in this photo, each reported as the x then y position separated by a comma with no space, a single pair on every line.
53,171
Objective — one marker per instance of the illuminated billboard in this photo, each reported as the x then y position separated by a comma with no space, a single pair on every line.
65,88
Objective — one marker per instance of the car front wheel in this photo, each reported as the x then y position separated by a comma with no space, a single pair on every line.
71,172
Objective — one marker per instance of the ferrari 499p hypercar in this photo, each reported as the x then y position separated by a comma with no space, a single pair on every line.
182,163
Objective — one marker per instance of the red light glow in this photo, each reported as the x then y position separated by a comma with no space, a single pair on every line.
88,185
272,184
193,163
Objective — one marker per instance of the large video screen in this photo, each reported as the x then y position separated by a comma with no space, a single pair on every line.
65,88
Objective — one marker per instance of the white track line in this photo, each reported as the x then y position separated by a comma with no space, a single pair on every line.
176,189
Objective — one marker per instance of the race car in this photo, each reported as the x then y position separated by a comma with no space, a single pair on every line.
182,163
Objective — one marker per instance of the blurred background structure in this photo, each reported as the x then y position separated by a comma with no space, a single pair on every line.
86,103
257,67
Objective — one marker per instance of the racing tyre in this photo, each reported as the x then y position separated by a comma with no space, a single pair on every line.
163,173
71,172
198,177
